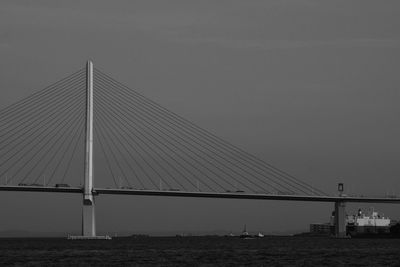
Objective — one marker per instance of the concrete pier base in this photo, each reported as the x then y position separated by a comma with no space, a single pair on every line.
340,220
88,218
88,222
80,237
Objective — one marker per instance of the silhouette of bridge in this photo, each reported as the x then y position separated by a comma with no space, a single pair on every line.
52,139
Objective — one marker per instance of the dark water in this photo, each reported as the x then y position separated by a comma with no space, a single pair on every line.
201,251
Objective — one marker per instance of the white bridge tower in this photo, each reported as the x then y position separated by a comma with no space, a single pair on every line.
88,213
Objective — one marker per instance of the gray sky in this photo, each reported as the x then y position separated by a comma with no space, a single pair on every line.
309,86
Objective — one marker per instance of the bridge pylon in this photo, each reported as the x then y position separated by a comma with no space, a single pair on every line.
340,219
88,212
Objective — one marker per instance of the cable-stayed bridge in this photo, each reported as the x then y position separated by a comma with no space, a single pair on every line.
90,125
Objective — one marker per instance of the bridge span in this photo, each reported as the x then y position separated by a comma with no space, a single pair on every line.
339,201
226,195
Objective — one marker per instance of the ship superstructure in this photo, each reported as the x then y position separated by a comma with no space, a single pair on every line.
372,219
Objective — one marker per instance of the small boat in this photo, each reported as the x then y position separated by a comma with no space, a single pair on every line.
245,234
260,235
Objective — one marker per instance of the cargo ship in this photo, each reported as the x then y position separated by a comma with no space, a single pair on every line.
370,224
367,224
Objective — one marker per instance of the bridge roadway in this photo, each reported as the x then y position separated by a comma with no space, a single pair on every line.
227,195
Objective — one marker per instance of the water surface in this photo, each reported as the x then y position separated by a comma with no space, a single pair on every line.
200,251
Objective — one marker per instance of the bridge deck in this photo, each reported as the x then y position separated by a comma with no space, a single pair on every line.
228,195
50,189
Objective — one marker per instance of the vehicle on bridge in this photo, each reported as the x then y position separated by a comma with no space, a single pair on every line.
126,187
62,185
35,184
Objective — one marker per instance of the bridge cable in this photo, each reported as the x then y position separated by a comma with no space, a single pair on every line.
231,169
33,123
73,139
192,150
137,137
160,107
37,142
170,165
234,148
65,125
30,100
209,162
79,122
241,168
51,116
100,131
175,141
150,134
143,158
165,161
106,157
134,159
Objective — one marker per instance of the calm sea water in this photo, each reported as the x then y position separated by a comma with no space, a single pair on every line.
201,251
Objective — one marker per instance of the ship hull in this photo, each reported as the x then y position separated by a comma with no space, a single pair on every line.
369,231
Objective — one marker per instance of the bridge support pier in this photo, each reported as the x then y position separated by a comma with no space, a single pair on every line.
340,219
88,218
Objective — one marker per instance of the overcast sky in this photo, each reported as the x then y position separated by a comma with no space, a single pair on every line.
311,87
